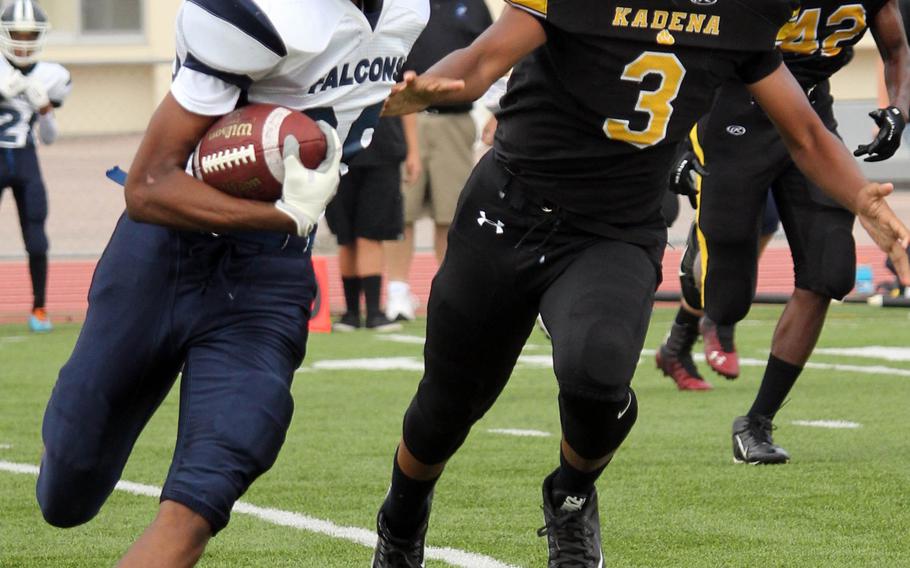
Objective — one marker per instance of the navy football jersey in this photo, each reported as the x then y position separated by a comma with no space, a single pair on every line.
819,40
592,118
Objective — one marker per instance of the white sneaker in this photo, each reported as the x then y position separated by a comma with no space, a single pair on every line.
401,304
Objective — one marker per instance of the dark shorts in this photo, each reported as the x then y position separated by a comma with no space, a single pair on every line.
230,316
368,205
745,156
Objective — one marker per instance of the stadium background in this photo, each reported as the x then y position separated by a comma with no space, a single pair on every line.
120,53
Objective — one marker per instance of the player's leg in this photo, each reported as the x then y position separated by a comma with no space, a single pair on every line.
31,202
820,235
821,241
401,304
743,153
340,216
674,357
248,339
597,312
121,368
449,165
378,218
479,317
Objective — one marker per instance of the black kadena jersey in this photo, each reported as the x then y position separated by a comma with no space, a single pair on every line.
819,40
592,118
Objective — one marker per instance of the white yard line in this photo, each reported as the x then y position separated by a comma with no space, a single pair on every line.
400,338
520,433
13,339
6,446
867,369
363,537
546,362
835,424
869,352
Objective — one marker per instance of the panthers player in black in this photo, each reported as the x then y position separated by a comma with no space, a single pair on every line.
745,155
563,218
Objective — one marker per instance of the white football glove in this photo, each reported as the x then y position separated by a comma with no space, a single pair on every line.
36,94
306,192
12,84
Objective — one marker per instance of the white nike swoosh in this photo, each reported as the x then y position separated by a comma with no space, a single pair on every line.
626,409
742,449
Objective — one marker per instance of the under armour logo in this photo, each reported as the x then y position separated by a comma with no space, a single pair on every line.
482,220
573,504
716,357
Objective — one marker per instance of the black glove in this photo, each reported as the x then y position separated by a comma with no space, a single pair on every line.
682,176
891,123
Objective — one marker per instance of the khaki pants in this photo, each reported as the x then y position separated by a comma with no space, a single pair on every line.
446,143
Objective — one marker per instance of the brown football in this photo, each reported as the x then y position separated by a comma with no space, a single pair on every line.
241,154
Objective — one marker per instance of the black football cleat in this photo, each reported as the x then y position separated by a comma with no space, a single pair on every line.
394,552
752,443
572,530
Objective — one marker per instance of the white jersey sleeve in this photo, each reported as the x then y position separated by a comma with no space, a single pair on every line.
222,48
60,84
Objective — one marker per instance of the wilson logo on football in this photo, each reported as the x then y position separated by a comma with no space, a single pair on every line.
736,130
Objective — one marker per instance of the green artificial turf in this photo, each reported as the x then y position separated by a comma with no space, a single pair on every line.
672,496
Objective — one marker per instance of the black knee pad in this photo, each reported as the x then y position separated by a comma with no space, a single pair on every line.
687,271
833,273
595,426
432,434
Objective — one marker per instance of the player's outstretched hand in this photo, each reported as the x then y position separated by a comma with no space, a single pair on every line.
888,232
306,192
891,124
682,176
416,92
12,84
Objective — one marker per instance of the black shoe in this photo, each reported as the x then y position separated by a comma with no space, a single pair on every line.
392,552
379,322
572,530
752,442
347,322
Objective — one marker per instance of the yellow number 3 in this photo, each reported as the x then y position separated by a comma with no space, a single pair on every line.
658,104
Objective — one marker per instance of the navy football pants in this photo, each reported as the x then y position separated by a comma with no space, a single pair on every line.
19,170
231,314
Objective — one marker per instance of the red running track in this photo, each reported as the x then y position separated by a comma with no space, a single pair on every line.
69,281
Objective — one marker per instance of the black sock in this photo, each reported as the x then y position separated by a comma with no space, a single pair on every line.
37,267
687,319
408,503
352,286
372,286
571,482
779,378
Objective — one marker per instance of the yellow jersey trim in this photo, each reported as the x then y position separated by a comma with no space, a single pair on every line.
536,7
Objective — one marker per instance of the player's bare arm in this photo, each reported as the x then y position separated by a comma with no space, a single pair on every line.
160,191
888,30
891,40
827,162
466,74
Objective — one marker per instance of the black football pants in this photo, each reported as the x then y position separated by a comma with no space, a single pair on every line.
507,260
745,156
